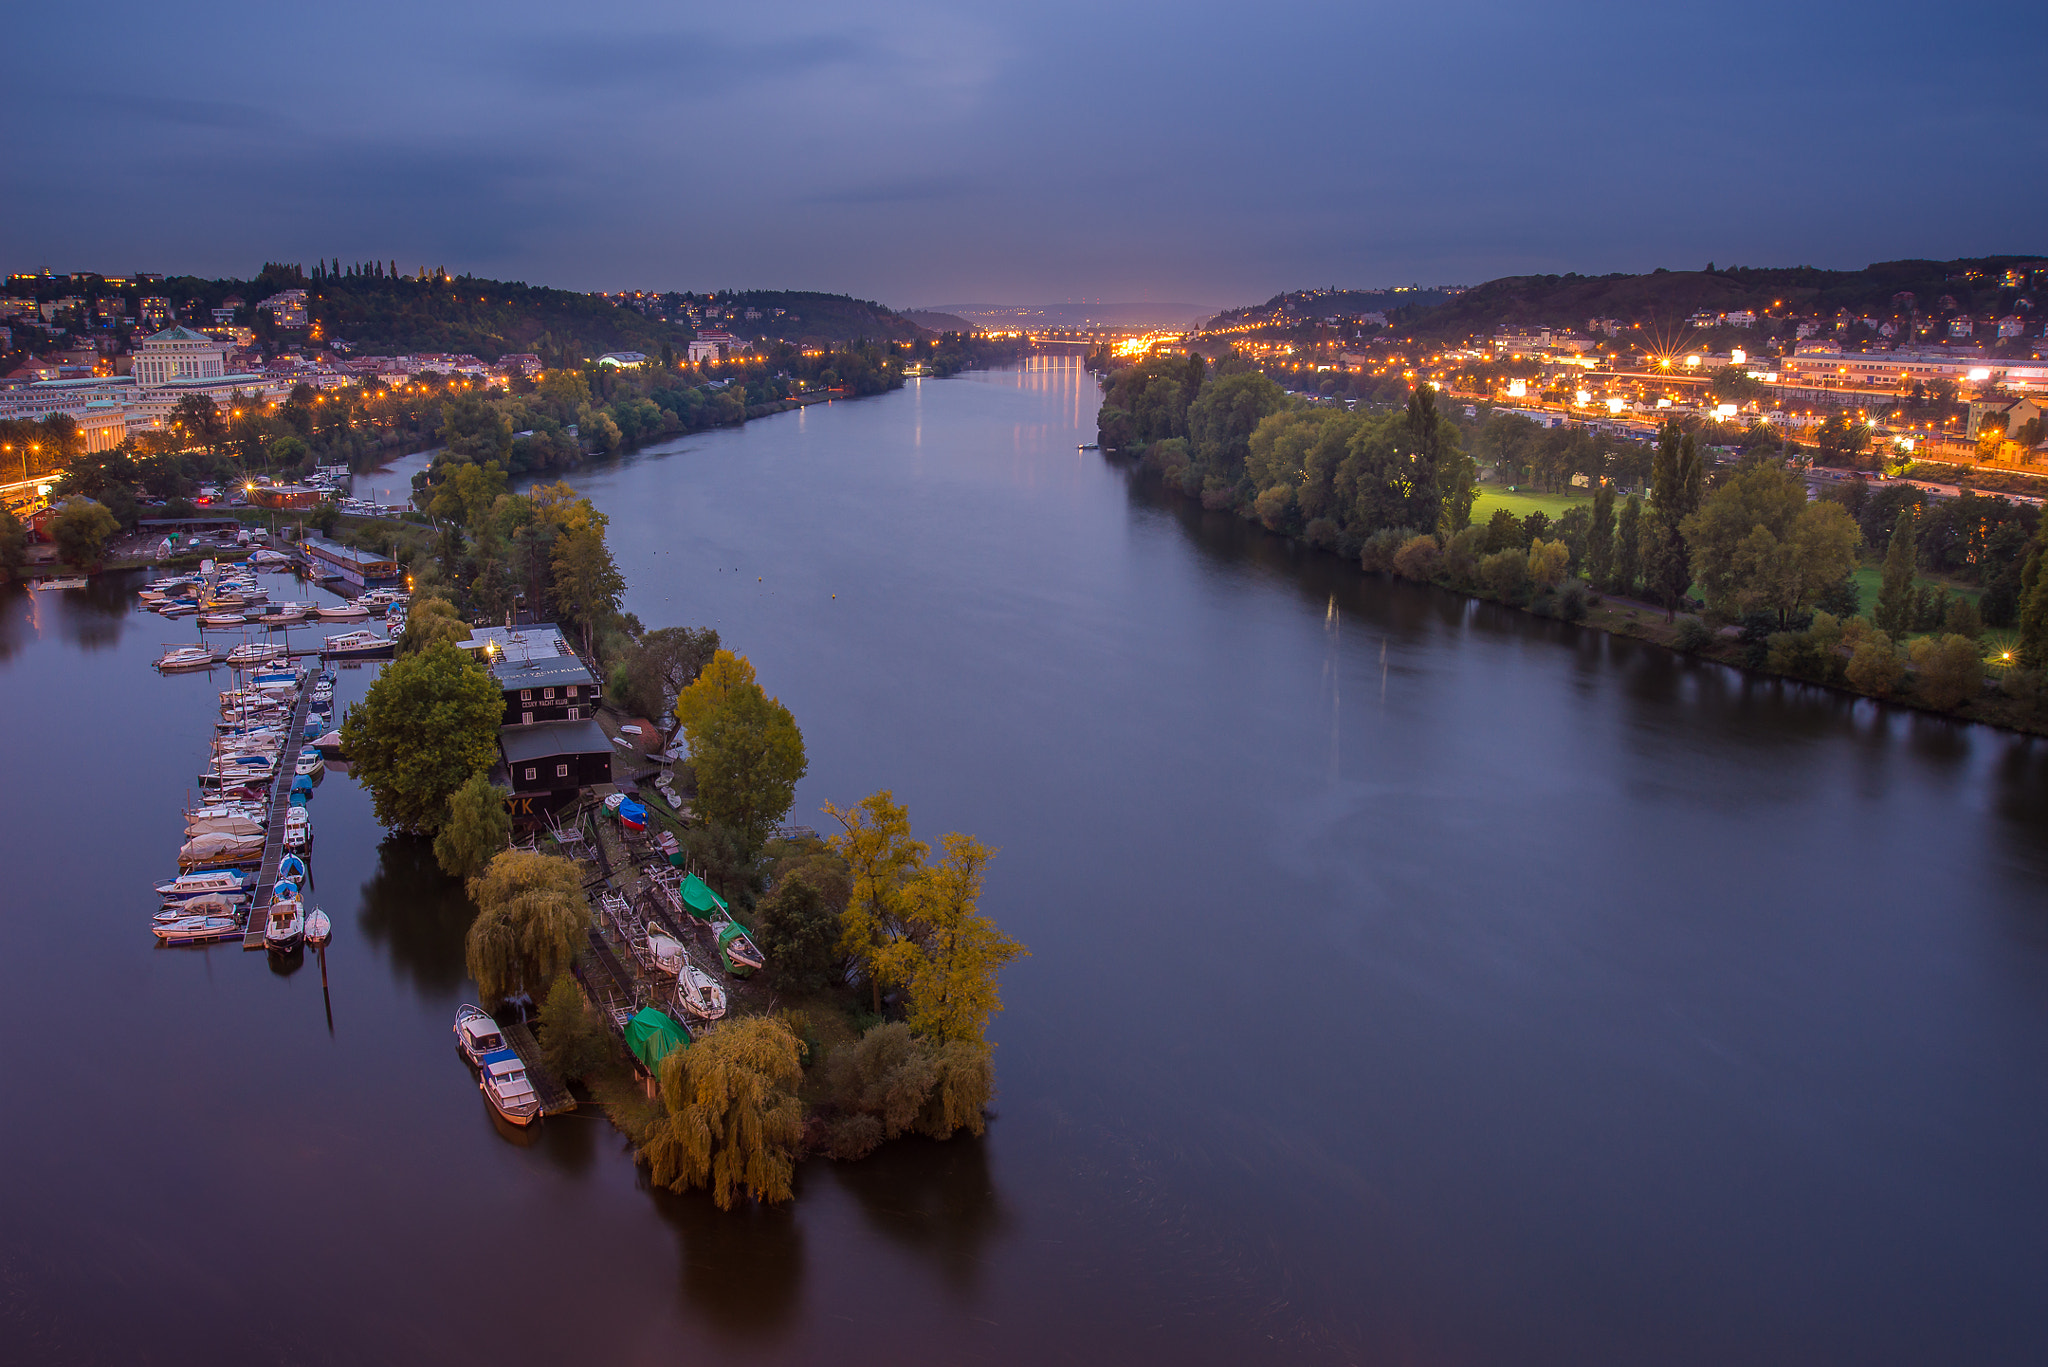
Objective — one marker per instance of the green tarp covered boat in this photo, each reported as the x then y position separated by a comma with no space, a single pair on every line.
737,951
704,904
653,1036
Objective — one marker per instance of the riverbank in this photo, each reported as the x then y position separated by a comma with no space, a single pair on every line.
2003,698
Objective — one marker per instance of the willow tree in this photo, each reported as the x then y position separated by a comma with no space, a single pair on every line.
881,858
731,1118
530,918
476,829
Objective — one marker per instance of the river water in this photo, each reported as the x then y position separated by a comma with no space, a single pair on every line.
1411,981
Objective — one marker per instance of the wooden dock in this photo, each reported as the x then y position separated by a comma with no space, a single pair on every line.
273,834
554,1097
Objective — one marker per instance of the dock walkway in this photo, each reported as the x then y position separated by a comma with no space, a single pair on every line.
554,1097
273,836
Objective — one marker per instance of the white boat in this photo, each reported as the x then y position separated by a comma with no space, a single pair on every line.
318,928
344,612
253,653
702,996
228,823
63,583
665,951
504,1085
212,904
189,930
329,744
185,657
309,763
180,608
476,1034
189,885
298,829
357,645
211,849
284,924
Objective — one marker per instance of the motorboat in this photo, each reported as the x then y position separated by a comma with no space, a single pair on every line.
214,850
358,645
192,930
63,583
251,653
189,885
308,764
298,829
291,867
284,925
476,1034
504,1085
342,612
329,745
182,607
178,658
318,928
213,904
230,824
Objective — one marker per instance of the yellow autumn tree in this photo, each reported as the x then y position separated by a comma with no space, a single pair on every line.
731,1118
530,917
710,689
881,859
950,953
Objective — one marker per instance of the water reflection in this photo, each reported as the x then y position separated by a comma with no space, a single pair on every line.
936,1199
419,914
742,1270
284,965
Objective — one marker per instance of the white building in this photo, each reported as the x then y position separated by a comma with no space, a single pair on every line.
289,307
711,344
167,367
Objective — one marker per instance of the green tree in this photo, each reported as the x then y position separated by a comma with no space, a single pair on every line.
661,665
1627,547
477,827
894,1082
880,859
587,584
1221,421
731,1118
1875,666
574,1040
748,756
1548,563
1677,475
430,620
1895,596
949,958
13,543
1758,543
2031,615
530,918
1948,671
797,927
81,530
427,724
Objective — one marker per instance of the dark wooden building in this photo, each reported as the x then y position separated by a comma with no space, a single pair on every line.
549,757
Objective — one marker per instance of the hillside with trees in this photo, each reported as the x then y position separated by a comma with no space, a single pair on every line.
1976,285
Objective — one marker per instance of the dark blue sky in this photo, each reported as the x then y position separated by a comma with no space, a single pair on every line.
923,153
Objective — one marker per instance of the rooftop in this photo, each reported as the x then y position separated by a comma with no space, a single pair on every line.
334,550
548,738
540,672
541,641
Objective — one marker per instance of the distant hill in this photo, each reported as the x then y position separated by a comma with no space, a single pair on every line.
937,322
380,312
1311,305
1128,315
1975,284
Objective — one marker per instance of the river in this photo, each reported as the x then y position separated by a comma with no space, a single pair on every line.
1411,980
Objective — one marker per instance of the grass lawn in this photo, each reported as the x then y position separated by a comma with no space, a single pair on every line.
1521,503
1870,579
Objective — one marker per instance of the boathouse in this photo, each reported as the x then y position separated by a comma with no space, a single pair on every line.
358,569
555,757
540,674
